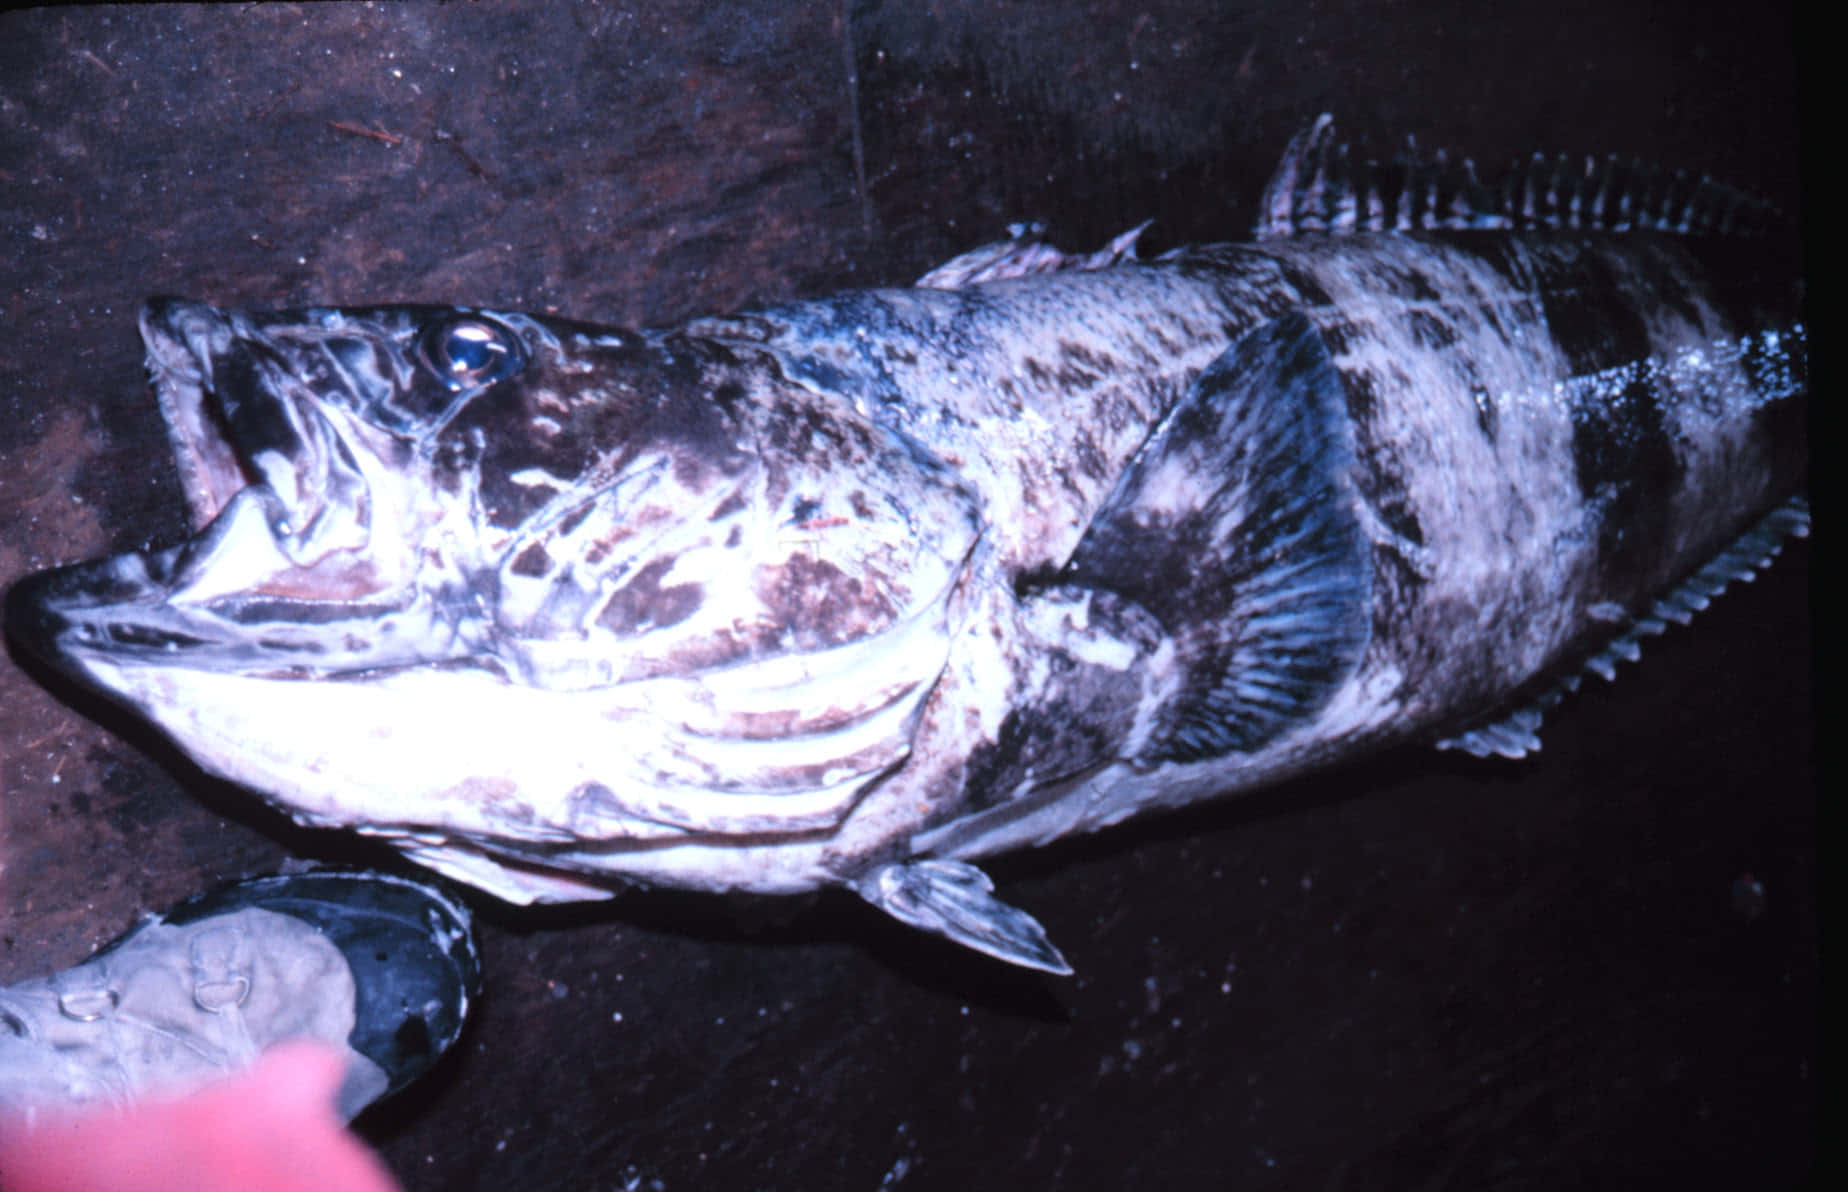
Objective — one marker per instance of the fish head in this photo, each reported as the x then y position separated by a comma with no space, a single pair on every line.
498,586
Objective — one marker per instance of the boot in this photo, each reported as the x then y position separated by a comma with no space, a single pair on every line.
380,966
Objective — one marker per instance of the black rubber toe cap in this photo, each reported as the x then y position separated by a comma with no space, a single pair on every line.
412,948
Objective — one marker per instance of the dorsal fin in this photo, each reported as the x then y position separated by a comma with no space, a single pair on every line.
1023,254
1518,733
1321,185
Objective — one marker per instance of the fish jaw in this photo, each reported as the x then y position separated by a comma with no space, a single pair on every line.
630,781
490,588
307,517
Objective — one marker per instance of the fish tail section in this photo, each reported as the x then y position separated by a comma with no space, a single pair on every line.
1517,733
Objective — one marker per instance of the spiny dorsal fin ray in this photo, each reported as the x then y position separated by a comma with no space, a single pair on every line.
1238,504
1023,254
1322,185
1517,734
956,900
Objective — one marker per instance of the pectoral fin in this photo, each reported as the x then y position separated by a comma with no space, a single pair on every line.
1236,526
957,901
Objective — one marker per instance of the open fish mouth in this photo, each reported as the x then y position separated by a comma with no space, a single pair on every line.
238,420
493,586
266,431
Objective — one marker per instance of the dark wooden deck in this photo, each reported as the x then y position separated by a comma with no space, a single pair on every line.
1594,969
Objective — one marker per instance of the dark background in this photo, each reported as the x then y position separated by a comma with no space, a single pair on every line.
1595,968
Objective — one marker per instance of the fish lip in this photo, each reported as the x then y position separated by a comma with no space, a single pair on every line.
224,396
45,612
163,608
33,620
86,622
117,608
279,577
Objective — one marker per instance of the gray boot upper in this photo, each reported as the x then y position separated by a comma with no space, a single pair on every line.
172,1007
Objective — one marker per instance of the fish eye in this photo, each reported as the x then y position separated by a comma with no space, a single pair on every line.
470,351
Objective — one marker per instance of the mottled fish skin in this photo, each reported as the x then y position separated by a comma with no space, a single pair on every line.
855,590
1543,428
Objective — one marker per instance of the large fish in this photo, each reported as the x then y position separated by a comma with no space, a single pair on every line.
856,590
